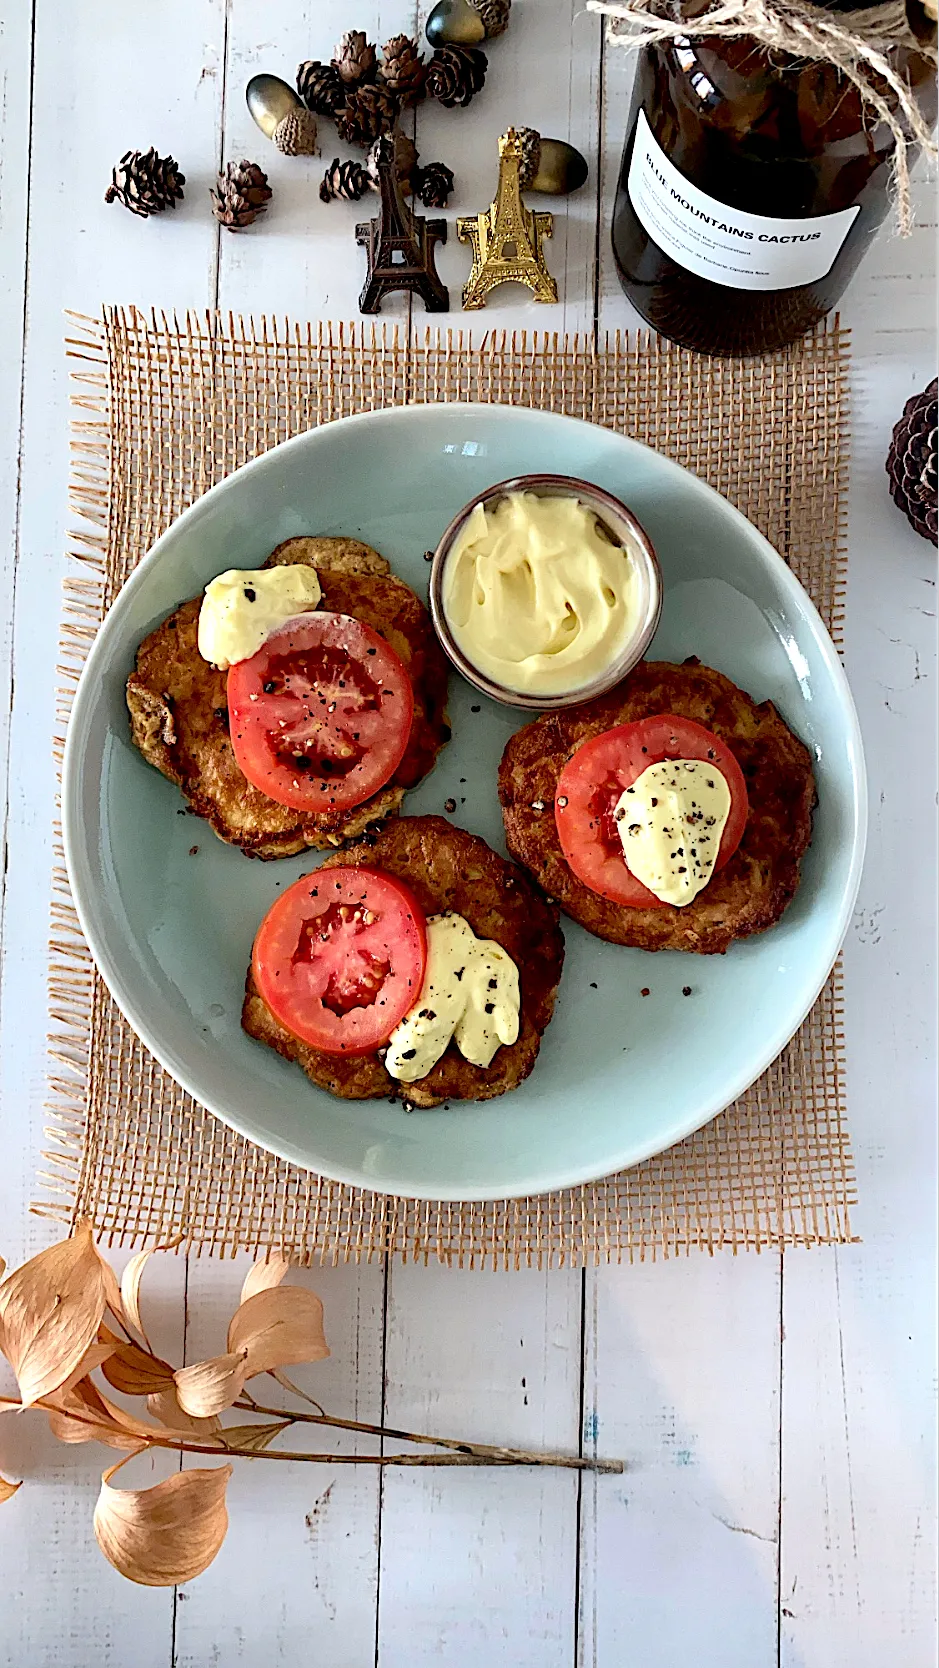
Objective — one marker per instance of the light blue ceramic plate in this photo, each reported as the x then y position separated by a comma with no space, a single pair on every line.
619,1077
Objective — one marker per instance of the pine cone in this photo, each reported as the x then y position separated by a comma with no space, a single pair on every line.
433,184
321,87
494,15
402,69
455,74
240,195
531,155
367,112
295,133
146,183
347,180
354,58
405,159
911,463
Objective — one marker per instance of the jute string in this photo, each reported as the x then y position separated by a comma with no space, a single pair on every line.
859,50
164,408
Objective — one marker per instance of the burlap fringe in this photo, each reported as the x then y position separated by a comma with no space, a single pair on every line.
366,1226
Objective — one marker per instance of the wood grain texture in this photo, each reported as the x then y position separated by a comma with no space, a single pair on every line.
779,1502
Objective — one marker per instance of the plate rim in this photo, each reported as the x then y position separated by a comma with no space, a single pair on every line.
85,901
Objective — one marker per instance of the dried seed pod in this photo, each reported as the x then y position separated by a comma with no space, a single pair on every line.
368,111
321,87
402,69
455,74
911,463
354,57
433,184
467,22
550,166
347,180
146,183
295,134
240,194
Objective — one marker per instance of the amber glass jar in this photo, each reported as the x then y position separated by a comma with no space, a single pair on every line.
750,189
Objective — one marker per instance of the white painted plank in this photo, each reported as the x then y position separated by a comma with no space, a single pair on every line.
496,1357
301,257
15,101
105,79
479,1566
683,1367
296,1579
679,1556
543,73
859,1423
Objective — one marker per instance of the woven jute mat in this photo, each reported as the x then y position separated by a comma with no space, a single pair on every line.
164,410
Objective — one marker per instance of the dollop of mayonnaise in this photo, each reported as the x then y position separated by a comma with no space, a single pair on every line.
470,992
538,596
241,608
670,822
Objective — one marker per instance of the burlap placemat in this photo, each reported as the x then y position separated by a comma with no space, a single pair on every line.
164,410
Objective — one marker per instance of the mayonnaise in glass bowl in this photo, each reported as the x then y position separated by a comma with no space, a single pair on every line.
490,608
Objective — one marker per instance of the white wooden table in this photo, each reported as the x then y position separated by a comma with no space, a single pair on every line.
776,1412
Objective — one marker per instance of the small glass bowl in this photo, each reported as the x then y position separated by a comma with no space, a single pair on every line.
623,528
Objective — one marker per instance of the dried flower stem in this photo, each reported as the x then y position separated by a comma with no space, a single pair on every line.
482,1450
477,1454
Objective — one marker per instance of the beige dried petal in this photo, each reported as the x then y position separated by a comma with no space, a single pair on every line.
2,1267
265,1274
112,1290
210,1386
50,1310
133,1370
279,1328
7,1490
164,1405
252,1439
167,1534
82,1415
95,1356
131,1277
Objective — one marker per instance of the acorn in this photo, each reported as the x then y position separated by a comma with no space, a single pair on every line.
269,100
550,166
466,22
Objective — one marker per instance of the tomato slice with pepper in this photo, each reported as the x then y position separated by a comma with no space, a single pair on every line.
598,773
320,717
339,958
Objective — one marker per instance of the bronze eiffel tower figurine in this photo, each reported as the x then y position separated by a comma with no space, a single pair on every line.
507,237
400,245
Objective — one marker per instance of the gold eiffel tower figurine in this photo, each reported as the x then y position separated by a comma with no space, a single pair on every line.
507,237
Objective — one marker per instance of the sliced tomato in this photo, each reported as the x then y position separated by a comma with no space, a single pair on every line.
320,717
340,957
593,779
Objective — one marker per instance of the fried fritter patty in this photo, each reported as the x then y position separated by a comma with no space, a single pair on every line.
751,892
446,868
179,708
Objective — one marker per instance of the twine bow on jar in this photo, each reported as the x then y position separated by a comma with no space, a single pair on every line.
859,49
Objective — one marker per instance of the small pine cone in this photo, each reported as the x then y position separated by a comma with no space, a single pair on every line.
911,462
455,74
240,195
295,133
146,183
348,180
367,112
321,87
433,184
405,159
402,69
531,155
354,58
494,15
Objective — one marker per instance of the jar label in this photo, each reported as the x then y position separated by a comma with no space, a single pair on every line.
727,245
